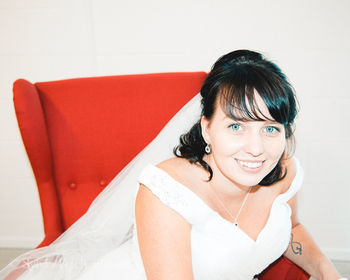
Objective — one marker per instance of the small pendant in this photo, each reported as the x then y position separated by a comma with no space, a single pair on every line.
236,224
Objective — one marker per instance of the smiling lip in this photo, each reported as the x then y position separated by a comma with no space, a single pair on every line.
251,166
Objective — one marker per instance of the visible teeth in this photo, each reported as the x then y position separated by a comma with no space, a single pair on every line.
251,164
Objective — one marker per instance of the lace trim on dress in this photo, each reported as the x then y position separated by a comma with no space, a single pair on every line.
173,194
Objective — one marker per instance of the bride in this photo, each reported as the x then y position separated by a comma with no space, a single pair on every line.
223,208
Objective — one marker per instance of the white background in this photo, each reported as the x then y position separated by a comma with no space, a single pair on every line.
43,40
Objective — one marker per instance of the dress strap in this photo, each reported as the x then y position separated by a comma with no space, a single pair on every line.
173,194
296,183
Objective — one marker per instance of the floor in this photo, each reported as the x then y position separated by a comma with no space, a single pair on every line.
6,255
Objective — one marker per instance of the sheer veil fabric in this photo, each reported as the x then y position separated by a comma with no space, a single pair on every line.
108,222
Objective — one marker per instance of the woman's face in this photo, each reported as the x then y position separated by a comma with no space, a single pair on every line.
243,152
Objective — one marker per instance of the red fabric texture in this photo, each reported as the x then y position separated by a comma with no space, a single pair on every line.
79,133
284,269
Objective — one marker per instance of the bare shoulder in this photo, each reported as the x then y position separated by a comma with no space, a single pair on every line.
174,164
188,174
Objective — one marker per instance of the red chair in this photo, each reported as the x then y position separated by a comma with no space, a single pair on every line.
79,133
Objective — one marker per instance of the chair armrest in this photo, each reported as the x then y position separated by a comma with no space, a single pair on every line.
31,122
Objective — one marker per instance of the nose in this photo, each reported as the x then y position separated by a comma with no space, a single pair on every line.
254,144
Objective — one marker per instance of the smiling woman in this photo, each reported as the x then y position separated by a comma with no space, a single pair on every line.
223,208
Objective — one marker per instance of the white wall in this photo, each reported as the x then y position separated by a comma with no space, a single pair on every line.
45,40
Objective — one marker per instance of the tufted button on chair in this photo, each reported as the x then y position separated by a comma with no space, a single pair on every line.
85,129
102,183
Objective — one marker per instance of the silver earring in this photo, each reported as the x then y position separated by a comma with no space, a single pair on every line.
207,149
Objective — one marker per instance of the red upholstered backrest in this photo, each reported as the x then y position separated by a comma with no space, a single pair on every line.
95,126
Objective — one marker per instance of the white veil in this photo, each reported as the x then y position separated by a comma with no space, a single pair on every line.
107,223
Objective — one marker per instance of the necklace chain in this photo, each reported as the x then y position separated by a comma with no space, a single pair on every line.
228,212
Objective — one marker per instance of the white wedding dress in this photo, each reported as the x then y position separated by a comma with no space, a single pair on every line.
220,250
103,244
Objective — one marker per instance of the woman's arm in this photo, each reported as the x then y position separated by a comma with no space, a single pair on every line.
164,238
304,252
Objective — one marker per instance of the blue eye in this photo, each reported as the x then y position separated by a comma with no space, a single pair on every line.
271,129
235,126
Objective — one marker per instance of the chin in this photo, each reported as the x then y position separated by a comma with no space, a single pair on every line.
250,183
252,179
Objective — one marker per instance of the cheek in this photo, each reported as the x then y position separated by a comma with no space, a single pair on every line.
224,145
276,147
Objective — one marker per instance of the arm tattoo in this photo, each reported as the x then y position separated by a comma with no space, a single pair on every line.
296,246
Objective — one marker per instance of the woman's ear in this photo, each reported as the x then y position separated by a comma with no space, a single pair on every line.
205,128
